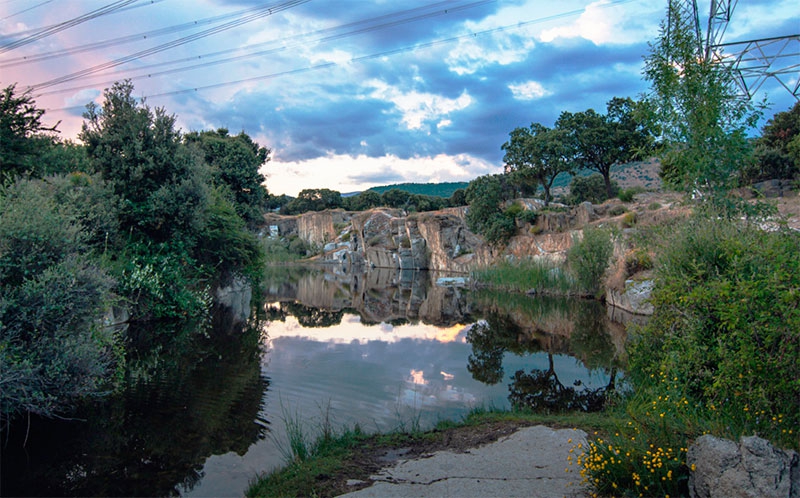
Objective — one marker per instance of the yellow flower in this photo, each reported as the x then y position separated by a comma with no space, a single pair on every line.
694,467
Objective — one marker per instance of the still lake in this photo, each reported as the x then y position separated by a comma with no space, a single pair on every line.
204,407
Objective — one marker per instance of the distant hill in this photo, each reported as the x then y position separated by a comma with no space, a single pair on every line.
445,189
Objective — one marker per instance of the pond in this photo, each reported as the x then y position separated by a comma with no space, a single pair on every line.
205,408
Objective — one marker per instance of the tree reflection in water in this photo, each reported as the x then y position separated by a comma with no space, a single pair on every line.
576,328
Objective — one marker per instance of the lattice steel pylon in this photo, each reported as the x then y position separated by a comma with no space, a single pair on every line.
752,62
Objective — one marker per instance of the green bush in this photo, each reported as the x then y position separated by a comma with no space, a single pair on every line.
588,259
629,219
52,348
626,195
617,210
727,327
590,188
654,206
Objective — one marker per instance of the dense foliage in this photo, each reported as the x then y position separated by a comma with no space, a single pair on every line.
139,215
777,150
727,325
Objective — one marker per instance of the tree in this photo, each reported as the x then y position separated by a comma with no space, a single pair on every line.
485,215
601,141
20,120
140,154
777,150
590,188
701,120
313,199
367,199
235,163
537,153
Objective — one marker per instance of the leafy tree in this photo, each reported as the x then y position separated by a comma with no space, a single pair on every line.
459,198
140,153
599,141
313,199
485,215
235,162
777,150
702,122
367,199
20,120
274,202
537,153
395,198
590,188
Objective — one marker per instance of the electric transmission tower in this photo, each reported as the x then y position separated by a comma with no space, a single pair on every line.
752,62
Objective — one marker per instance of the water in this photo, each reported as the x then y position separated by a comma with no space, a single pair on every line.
201,416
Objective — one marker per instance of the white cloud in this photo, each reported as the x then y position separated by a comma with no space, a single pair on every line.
530,90
471,55
418,108
603,22
596,24
341,172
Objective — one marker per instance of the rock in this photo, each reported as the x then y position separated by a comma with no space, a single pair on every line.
751,469
452,281
635,298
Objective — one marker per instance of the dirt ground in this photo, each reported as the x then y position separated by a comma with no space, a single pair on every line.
368,459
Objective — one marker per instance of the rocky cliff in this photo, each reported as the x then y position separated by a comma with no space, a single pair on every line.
440,240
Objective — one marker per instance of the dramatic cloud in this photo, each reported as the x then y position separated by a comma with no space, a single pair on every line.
355,94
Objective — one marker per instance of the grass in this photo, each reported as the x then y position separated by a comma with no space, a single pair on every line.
525,275
336,456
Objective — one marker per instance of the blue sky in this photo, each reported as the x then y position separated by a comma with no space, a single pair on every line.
350,94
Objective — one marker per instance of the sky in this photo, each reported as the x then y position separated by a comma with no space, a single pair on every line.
350,94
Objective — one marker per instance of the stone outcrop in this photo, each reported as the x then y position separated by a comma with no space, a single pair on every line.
634,299
753,468
441,241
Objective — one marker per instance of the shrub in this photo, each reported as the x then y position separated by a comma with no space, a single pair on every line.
629,219
588,258
636,261
528,216
727,328
626,195
653,206
617,210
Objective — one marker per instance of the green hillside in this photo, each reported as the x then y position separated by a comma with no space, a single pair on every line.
445,189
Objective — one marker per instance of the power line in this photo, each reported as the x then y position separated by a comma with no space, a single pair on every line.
137,5
363,26
377,55
33,58
25,10
66,25
262,12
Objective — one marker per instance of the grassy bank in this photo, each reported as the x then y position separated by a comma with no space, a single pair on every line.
581,275
324,466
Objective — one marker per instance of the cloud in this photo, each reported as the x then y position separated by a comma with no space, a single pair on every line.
347,173
530,90
418,108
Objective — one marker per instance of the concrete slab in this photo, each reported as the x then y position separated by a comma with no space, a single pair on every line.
532,462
